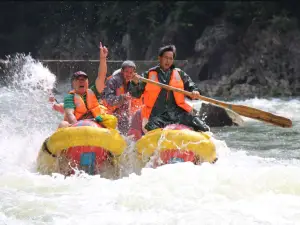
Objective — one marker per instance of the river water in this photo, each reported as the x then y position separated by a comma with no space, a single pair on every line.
255,181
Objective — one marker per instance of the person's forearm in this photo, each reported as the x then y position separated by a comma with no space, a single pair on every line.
101,74
70,117
189,85
59,107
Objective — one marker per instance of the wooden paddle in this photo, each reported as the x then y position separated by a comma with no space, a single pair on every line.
240,109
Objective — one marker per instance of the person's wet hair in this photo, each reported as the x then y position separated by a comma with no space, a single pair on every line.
167,48
128,63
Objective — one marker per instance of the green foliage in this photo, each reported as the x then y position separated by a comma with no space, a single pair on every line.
282,23
243,12
141,19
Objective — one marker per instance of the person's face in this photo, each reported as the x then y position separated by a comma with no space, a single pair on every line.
80,84
166,60
128,73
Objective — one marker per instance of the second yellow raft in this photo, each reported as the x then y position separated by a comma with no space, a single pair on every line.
179,141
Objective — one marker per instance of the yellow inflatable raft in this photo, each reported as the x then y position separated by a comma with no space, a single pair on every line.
176,144
85,146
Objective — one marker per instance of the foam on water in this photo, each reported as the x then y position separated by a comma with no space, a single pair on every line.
241,188
172,194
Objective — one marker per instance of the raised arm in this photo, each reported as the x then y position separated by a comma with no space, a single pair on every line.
100,81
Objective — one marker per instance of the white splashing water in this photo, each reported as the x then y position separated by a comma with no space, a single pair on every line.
238,189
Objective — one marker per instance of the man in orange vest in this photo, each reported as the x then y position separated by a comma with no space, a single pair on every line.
116,97
82,102
162,107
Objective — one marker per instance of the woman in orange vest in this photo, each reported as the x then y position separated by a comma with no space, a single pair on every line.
162,107
82,102
116,97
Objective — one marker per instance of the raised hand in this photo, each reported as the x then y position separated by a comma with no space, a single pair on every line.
51,99
135,77
103,51
195,95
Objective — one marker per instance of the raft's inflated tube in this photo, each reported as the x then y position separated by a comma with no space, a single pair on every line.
108,139
185,140
64,138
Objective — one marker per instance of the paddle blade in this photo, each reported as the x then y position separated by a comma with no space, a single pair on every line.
261,115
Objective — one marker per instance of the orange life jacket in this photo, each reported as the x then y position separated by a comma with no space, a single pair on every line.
92,106
135,103
152,91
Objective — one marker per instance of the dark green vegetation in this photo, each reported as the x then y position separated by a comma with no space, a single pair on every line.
234,48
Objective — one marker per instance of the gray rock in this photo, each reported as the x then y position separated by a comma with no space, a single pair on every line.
216,116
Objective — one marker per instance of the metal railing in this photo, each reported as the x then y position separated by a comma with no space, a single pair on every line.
97,60
64,68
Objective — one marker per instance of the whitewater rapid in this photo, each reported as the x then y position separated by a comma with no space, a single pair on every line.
255,181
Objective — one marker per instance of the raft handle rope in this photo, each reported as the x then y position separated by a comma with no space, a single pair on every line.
46,149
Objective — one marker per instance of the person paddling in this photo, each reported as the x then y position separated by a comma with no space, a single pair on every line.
162,107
